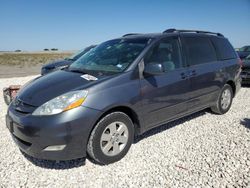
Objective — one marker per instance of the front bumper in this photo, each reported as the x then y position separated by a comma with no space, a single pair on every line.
245,76
33,134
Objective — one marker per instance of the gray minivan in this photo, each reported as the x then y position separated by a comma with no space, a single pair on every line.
120,89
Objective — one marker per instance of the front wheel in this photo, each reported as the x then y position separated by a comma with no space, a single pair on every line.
111,138
224,101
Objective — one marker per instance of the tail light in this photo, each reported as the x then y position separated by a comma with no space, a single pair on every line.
239,61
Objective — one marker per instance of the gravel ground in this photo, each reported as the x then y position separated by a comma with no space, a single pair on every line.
201,150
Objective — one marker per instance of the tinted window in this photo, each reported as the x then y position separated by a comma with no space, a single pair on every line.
248,49
166,53
199,50
224,48
244,49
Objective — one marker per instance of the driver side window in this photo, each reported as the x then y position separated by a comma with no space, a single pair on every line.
248,49
166,53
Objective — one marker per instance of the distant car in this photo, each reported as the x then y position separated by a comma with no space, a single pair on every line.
244,52
60,64
245,73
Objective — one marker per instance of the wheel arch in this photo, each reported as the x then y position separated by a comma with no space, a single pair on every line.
128,111
233,86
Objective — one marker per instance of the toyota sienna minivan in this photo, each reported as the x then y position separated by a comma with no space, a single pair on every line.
120,89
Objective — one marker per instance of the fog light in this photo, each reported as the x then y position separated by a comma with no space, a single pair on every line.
55,148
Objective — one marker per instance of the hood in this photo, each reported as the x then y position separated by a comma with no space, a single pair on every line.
52,85
57,63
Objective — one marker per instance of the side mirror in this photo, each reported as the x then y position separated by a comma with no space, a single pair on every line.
153,69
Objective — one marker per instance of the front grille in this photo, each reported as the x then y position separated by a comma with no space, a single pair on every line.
21,112
22,107
27,144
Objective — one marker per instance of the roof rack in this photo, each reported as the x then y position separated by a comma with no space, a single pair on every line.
191,31
129,34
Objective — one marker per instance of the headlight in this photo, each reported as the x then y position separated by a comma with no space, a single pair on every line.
62,103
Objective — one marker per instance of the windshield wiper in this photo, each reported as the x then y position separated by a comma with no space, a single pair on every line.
78,71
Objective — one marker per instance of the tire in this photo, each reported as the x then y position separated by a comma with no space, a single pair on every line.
111,138
221,107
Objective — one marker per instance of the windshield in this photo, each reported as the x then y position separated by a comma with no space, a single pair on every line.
80,53
75,55
112,56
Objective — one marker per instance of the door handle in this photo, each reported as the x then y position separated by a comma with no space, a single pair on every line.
192,73
183,76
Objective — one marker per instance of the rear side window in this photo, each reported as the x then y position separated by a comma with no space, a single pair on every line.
199,50
224,48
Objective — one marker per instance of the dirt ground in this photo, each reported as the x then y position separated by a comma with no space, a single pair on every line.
27,63
7,71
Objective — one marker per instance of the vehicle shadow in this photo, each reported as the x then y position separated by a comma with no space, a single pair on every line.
170,125
245,122
57,165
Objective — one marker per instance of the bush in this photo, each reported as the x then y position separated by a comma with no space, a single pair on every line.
46,49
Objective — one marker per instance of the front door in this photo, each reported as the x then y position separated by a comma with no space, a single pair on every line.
164,96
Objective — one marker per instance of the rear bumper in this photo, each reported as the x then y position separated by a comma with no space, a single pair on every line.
34,134
245,76
10,93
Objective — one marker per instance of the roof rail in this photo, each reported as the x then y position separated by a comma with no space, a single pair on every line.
129,34
190,31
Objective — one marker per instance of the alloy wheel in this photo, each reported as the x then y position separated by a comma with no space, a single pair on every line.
114,138
226,98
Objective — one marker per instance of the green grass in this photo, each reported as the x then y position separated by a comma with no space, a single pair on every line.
26,59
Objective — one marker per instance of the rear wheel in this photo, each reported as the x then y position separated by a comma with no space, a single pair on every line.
111,138
224,101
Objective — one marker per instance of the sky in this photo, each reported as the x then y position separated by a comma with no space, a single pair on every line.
31,25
